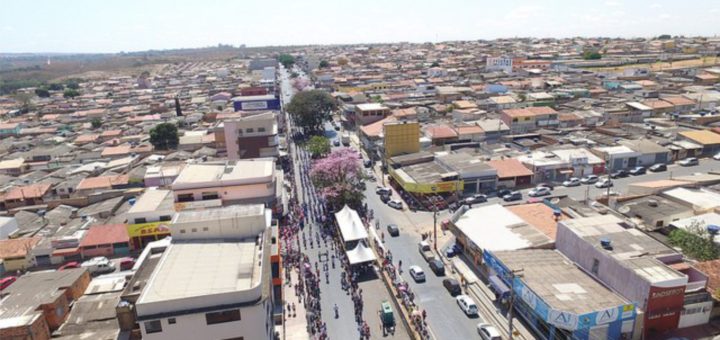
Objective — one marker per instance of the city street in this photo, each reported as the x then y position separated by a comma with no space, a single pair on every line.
331,292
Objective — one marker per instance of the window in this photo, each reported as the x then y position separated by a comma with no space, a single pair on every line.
222,317
205,229
249,130
59,311
140,220
182,231
153,326
261,129
514,120
171,321
595,266
165,218
194,230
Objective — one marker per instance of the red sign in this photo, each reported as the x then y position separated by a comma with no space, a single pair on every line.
664,305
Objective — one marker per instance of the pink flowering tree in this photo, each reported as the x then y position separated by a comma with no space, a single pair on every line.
339,178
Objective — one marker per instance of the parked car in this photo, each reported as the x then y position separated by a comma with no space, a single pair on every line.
417,273
638,170
690,161
513,196
604,183
589,179
127,263
385,198
397,204
658,168
6,282
337,127
619,174
98,265
467,305
383,191
452,286
539,191
572,182
452,250
69,265
367,163
437,267
336,142
503,192
477,198
393,230
488,332
717,156
547,185
426,251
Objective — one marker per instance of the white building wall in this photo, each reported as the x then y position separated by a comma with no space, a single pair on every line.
255,323
695,314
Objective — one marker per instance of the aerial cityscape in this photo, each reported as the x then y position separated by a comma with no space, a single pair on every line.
376,170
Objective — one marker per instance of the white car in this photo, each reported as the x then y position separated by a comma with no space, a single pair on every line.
604,183
383,191
572,182
397,204
690,161
488,331
467,305
717,156
417,273
539,191
589,179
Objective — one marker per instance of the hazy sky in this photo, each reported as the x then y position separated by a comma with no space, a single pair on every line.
133,25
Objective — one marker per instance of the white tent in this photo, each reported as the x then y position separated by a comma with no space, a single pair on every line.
360,254
351,227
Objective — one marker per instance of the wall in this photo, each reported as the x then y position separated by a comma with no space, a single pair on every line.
401,139
700,314
50,311
229,193
194,326
37,330
99,250
14,264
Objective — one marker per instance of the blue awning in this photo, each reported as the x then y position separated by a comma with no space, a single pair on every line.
499,286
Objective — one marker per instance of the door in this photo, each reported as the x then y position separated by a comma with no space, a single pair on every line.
632,162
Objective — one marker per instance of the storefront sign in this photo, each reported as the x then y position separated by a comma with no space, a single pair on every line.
148,229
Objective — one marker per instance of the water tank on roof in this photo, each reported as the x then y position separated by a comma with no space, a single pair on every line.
132,201
606,243
713,229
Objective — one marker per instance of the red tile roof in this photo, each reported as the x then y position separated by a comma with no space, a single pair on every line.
530,111
509,168
441,132
17,247
105,234
102,182
29,191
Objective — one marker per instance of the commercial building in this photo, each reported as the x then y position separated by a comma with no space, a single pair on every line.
38,303
232,182
105,240
582,161
148,218
557,299
639,268
254,103
421,173
503,64
214,283
370,113
476,175
529,119
618,157
710,141
251,136
511,173
401,138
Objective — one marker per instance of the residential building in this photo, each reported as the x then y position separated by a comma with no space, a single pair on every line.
149,217
105,240
529,119
710,141
618,157
251,136
511,173
14,167
503,64
370,113
16,253
8,227
582,161
639,268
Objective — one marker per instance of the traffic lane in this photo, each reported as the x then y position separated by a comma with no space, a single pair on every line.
446,319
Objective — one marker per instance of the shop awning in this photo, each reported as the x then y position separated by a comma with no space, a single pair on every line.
351,227
567,171
66,251
360,254
498,285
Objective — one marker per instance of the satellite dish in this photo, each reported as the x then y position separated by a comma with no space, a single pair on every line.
624,209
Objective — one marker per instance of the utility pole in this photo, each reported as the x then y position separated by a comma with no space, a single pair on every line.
435,212
512,299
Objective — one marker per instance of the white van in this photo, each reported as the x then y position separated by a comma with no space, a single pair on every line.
467,304
98,265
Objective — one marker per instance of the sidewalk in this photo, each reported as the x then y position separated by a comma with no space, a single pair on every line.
295,326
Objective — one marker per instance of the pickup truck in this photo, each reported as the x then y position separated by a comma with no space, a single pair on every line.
426,251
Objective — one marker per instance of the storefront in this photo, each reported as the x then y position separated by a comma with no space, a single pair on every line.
143,233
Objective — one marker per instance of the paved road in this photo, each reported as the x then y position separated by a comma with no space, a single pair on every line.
331,293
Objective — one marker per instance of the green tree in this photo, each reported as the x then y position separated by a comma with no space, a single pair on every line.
311,108
73,84
294,75
70,93
56,87
96,123
25,100
696,242
591,55
164,136
324,64
435,64
664,37
287,60
42,92
318,146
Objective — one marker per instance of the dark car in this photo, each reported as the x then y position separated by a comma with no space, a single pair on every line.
640,170
658,168
127,263
513,196
453,250
336,143
393,230
385,198
502,192
619,174
367,163
452,286
437,267
547,185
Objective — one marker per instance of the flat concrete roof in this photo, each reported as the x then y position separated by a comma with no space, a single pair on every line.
153,200
238,172
503,231
200,268
553,278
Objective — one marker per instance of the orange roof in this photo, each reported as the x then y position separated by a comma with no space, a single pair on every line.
102,182
17,247
712,269
565,117
8,126
440,131
105,234
410,111
509,168
539,215
678,100
529,111
468,129
658,104
87,138
376,128
111,133
29,191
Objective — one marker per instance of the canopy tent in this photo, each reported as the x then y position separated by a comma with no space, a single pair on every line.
360,254
351,227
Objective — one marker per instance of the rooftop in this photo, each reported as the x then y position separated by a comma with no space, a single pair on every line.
504,231
231,173
153,200
35,289
553,278
508,168
703,137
